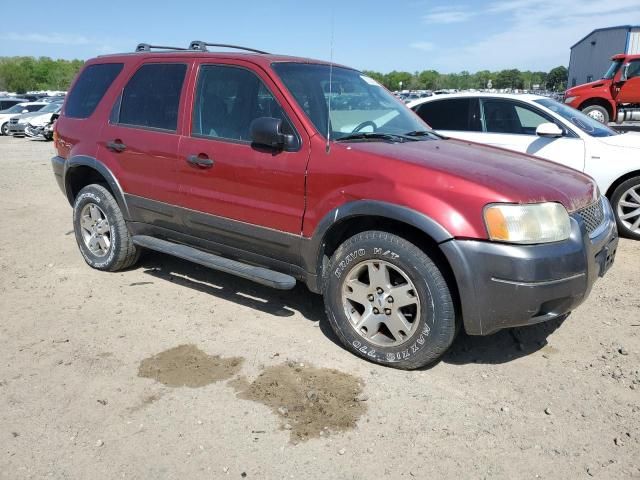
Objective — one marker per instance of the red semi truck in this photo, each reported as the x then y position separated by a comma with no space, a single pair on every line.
615,97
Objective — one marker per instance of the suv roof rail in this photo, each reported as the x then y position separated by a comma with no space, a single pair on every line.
201,46
145,47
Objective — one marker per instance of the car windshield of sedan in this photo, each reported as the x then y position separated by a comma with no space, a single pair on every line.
17,108
51,108
585,123
359,105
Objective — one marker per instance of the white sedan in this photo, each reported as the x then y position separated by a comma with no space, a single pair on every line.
545,128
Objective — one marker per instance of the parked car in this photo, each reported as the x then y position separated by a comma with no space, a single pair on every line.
615,97
37,119
20,108
237,162
545,128
8,102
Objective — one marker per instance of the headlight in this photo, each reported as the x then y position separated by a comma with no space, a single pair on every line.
569,99
529,223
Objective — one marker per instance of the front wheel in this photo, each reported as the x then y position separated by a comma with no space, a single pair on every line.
4,129
388,302
625,202
598,113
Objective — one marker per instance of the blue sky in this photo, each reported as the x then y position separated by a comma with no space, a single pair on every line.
372,34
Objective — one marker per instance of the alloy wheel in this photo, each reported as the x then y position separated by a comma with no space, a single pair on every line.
95,229
629,209
381,303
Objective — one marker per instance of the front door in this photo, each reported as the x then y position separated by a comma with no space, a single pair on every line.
512,125
630,89
234,192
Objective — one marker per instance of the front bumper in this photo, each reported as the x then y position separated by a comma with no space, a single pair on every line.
17,128
505,285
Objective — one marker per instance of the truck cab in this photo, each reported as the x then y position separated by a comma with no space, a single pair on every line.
615,97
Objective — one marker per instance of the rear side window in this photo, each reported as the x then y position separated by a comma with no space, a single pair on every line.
90,88
462,114
152,97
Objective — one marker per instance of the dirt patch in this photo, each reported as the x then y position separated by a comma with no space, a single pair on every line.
188,366
310,402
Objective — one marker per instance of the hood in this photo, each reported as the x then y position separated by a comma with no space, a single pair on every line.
31,115
586,87
626,140
507,176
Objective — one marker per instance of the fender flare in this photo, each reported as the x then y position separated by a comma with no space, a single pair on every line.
102,169
312,252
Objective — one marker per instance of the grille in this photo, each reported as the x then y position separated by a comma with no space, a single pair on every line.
593,215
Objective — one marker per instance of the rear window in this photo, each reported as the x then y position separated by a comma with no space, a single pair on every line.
462,114
90,88
152,97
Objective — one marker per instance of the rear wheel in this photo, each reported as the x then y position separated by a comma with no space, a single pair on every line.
626,206
101,231
597,112
388,302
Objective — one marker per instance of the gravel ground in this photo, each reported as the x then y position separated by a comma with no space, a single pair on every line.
169,370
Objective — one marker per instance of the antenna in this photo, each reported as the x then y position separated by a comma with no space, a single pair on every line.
328,147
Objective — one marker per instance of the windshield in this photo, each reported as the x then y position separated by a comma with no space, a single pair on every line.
15,109
51,108
585,123
613,69
358,103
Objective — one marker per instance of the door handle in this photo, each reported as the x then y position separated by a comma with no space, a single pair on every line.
116,146
201,161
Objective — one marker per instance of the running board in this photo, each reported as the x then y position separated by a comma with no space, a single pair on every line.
259,275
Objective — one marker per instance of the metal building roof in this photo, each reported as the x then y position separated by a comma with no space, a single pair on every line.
628,28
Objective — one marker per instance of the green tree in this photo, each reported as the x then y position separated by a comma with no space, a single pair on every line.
557,79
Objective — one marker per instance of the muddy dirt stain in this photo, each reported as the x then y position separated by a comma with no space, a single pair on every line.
188,366
310,402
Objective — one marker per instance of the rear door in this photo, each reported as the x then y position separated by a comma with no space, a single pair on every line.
239,193
455,117
141,139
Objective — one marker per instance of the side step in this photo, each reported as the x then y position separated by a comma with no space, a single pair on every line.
260,275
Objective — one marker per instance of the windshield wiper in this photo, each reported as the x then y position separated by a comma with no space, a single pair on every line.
374,136
424,133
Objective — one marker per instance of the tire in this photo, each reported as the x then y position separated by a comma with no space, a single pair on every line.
597,112
377,337
4,130
104,246
625,202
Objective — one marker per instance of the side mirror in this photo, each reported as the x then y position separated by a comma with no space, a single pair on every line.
549,130
267,132
624,75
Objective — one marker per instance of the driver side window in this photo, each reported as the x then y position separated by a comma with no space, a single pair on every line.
633,70
502,116
228,99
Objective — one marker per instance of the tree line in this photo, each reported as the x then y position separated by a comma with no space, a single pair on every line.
555,80
24,74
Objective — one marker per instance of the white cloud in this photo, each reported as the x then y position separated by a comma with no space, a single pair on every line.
444,15
50,38
536,35
424,46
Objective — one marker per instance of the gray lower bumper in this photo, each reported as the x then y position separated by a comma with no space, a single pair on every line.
505,285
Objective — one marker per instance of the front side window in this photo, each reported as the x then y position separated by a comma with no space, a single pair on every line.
228,99
633,69
90,88
151,98
503,116
357,103
461,114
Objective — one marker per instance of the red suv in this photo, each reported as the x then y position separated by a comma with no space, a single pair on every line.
281,169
